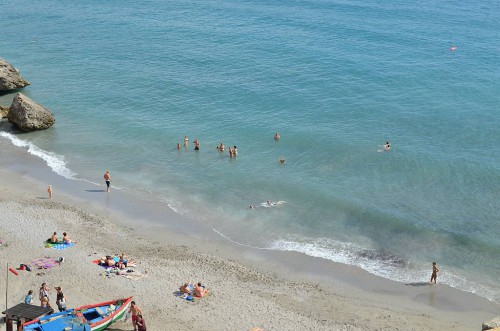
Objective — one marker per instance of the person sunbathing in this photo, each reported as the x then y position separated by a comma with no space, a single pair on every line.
110,261
185,288
123,259
200,291
121,265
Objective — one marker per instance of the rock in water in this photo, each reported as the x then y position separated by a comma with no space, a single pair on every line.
4,111
10,78
29,115
492,324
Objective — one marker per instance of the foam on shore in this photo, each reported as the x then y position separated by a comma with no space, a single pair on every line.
54,161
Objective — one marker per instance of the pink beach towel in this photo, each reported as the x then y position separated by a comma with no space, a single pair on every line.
45,263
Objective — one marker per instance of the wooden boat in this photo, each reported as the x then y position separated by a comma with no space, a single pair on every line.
102,315
95,317
66,320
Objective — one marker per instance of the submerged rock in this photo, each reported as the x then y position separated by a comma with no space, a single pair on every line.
10,79
29,115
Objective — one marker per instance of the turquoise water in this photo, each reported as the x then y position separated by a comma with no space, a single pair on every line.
128,80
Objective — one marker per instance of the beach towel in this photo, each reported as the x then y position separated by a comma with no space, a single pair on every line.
45,263
61,246
104,266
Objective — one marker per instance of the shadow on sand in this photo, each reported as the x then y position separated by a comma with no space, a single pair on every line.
419,284
93,191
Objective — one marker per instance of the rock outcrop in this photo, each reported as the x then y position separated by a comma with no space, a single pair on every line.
492,325
10,79
29,115
4,111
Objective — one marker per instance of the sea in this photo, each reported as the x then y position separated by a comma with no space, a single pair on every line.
337,79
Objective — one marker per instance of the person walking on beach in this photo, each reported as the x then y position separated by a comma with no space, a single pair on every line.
134,311
141,323
107,179
435,271
61,299
49,190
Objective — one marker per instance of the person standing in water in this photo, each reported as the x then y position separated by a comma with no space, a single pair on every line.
107,178
186,141
435,271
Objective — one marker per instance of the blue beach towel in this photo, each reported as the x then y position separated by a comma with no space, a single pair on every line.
60,247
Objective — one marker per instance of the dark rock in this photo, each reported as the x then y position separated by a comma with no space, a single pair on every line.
10,79
29,115
492,324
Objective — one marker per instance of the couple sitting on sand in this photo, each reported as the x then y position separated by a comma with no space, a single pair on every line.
198,290
119,262
65,240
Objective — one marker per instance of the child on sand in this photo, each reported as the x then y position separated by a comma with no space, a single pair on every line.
29,297
49,190
435,271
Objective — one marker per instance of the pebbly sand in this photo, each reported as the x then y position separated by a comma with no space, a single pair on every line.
271,290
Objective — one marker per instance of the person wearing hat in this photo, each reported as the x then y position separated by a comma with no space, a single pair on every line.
61,299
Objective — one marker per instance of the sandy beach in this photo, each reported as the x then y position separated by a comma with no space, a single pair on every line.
249,288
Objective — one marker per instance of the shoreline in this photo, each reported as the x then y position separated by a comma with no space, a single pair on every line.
363,300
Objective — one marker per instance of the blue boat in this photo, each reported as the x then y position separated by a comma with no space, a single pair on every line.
95,317
66,320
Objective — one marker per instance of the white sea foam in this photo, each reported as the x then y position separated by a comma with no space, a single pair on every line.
382,264
54,161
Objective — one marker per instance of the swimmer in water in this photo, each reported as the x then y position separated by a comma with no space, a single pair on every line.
387,146
282,159
277,136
